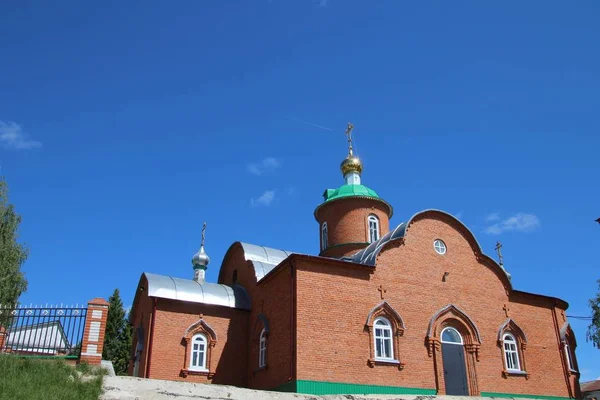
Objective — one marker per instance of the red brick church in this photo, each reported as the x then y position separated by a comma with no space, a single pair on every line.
413,309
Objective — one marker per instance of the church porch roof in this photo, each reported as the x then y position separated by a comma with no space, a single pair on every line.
168,287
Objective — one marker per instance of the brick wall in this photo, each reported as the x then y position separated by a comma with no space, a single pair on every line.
347,223
274,300
227,357
141,319
334,300
272,297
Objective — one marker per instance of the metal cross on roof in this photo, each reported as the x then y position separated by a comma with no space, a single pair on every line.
498,249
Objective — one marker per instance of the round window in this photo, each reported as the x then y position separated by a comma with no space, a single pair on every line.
439,246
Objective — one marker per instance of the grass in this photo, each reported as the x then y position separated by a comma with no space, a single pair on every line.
33,379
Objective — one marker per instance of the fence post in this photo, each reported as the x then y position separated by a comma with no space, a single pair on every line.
93,334
2,337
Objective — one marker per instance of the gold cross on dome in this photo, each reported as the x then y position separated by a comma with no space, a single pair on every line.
381,291
349,136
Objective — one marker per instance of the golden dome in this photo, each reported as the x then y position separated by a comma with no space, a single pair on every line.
351,164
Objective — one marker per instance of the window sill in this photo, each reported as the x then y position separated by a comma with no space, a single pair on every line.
506,373
200,372
385,361
264,367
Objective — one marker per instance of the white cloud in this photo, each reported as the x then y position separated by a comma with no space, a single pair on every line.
13,137
266,165
520,222
264,199
492,217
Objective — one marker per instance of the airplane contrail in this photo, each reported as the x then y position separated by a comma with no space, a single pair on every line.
310,123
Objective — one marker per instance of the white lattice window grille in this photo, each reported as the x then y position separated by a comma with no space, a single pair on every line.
384,349
324,238
198,353
262,350
373,228
439,246
511,354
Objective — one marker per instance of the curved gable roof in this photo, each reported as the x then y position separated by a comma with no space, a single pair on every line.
263,259
369,254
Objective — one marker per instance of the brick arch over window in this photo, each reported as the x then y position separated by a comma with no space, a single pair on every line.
509,326
200,326
384,309
451,315
260,323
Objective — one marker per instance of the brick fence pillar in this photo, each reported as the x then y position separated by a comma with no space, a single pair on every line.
2,337
93,334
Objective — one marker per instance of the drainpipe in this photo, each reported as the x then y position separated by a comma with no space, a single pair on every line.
151,338
560,349
292,319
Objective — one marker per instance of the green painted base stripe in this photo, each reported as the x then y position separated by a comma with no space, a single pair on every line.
320,388
524,396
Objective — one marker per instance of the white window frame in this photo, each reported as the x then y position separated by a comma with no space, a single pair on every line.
569,355
262,350
373,223
510,348
449,328
324,236
441,250
201,354
383,338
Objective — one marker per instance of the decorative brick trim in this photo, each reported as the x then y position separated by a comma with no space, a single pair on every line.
384,309
202,327
458,319
510,326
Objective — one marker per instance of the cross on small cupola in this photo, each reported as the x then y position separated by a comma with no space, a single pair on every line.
200,260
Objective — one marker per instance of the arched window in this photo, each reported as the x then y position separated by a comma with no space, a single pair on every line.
324,236
511,353
569,356
384,348
262,349
198,355
373,228
451,335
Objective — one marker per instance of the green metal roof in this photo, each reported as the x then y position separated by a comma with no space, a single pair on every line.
349,191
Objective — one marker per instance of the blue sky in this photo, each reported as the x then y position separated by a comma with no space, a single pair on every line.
125,125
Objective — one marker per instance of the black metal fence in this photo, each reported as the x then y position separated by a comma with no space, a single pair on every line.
42,331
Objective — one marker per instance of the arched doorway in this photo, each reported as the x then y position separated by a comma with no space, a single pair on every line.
453,341
453,356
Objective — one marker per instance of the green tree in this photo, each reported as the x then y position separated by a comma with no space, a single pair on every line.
117,340
593,332
12,254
